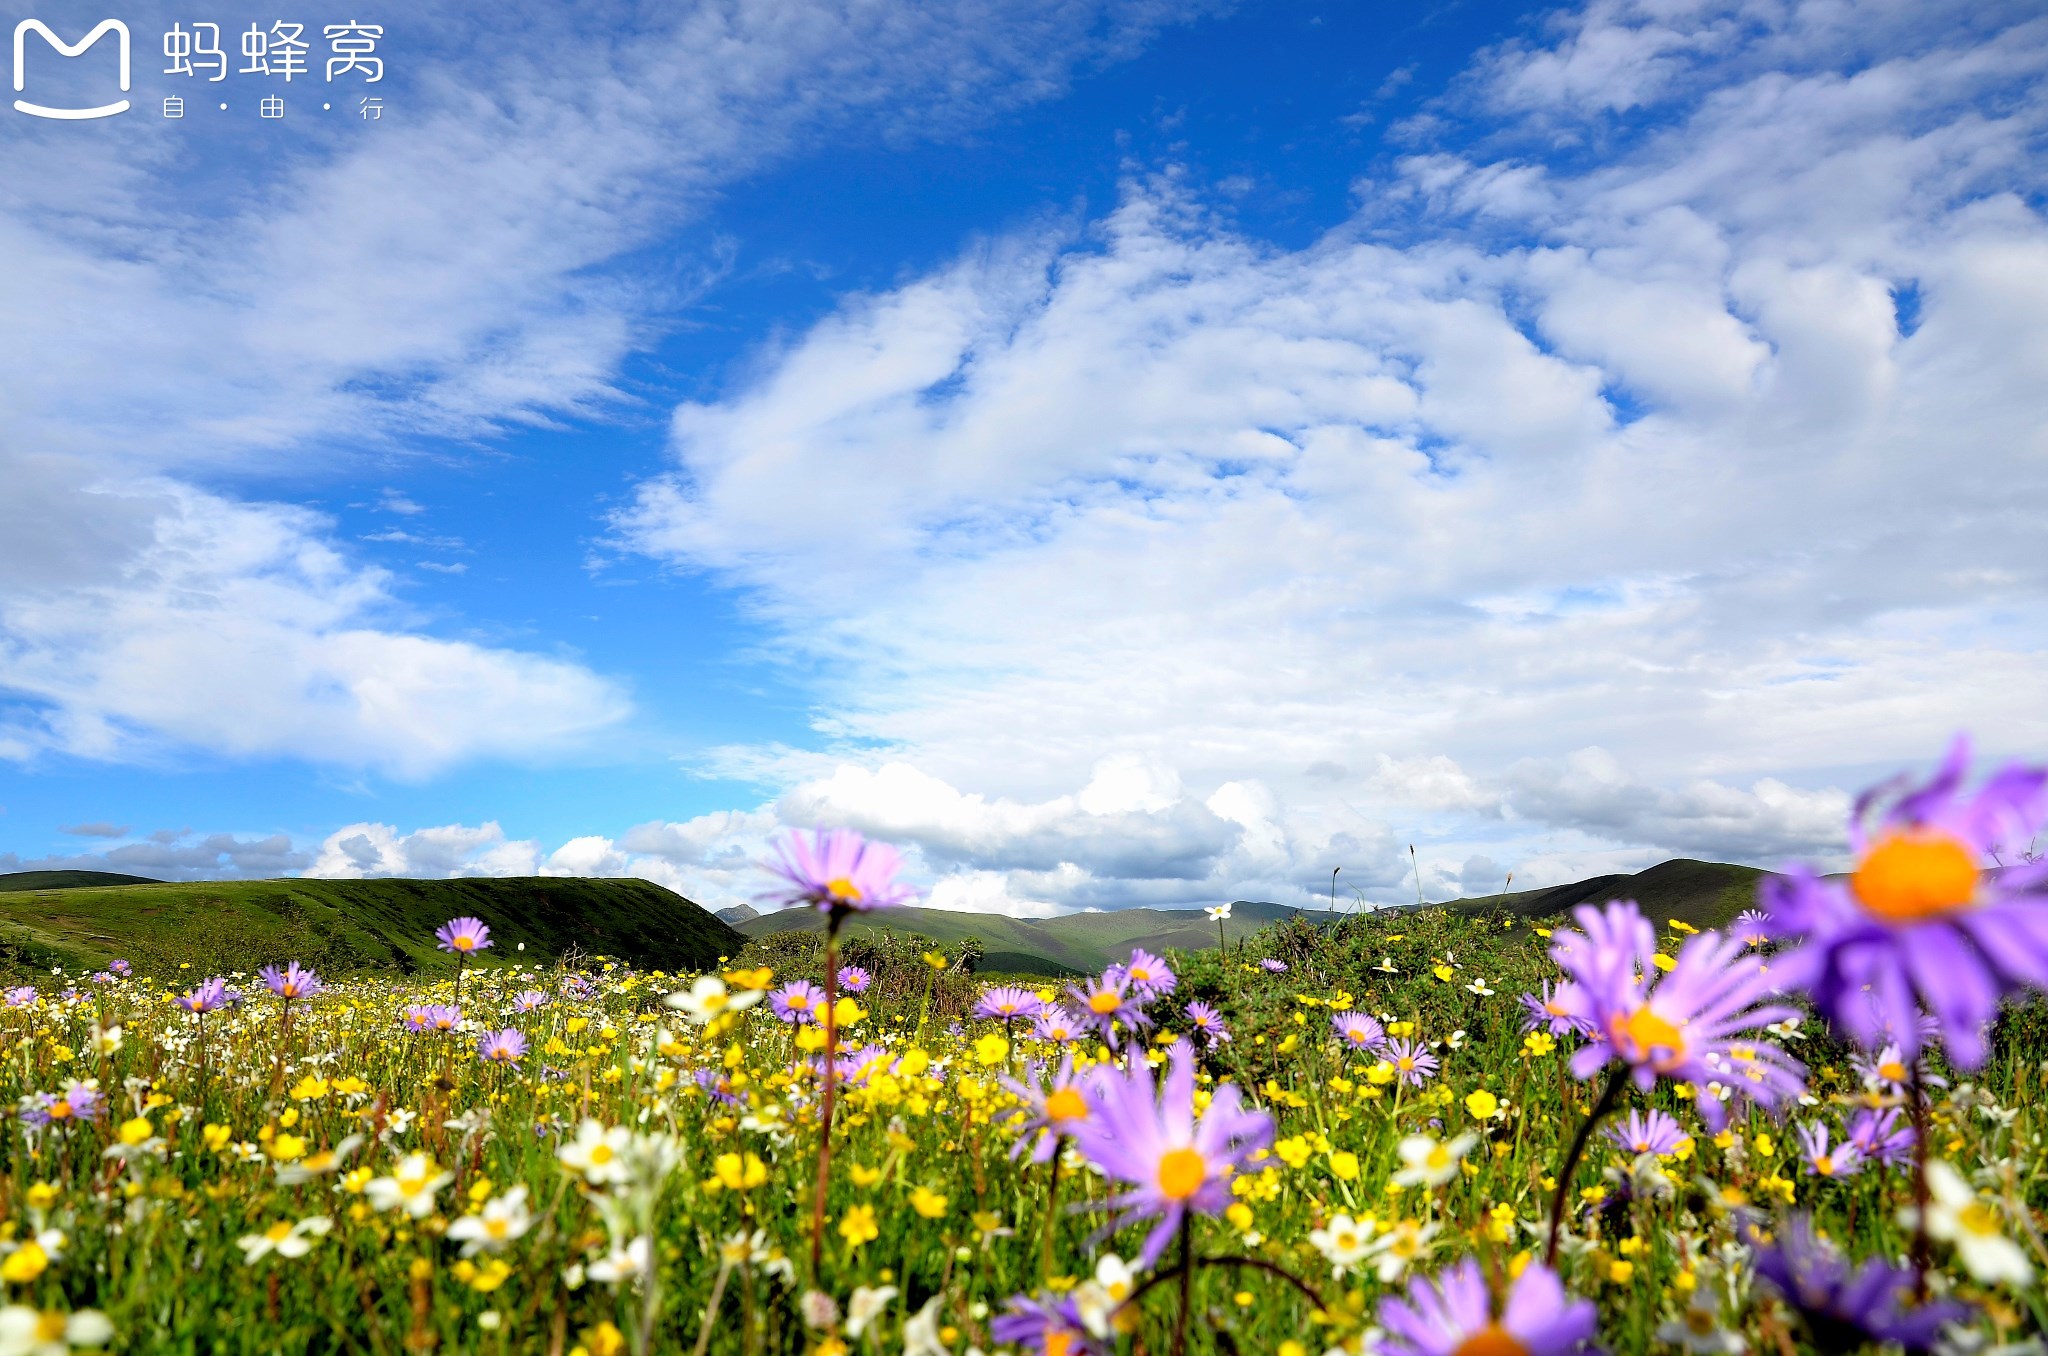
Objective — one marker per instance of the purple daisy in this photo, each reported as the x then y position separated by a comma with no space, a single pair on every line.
1053,1109
853,979
1107,1003
79,1102
797,1001
1147,974
1824,1158
1920,925
23,996
210,996
463,935
1272,966
717,1087
1359,1031
294,981
1653,1133
1413,1064
837,869
1050,1325
432,1017
1752,927
1454,1315
1696,1023
1150,1138
1846,1310
1057,1024
1541,1012
1209,1022
1879,1137
526,1000
1007,1003
502,1047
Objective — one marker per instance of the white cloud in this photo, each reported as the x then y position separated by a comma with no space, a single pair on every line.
191,591
1540,454
184,309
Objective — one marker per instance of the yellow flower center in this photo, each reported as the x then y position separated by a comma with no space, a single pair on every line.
601,1152
1700,1321
1105,1002
51,1325
1182,1173
1892,1071
1909,876
1645,1031
278,1232
496,1228
1491,1340
1140,975
1979,1219
839,887
464,943
1065,1104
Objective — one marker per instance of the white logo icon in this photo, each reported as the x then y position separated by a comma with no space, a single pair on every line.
21,32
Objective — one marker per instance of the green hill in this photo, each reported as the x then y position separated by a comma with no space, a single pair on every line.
68,880
1704,894
344,925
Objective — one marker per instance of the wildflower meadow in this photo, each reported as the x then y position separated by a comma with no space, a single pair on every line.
1415,1132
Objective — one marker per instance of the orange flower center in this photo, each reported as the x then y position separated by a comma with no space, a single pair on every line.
1644,1031
1105,1002
1909,876
1491,1340
1065,1104
839,887
1181,1173
1058,1342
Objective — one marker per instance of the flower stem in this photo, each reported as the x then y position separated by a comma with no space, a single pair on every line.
1609,1095
830,1075
1187,1284
1923,1248
1052,1199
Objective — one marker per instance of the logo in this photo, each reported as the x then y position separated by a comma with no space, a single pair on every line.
27,26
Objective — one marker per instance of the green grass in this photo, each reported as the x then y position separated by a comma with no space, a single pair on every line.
348,925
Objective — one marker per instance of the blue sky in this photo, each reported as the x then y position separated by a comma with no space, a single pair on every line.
1142,454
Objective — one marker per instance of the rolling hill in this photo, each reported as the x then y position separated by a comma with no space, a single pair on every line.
1704,894
68,880
343,925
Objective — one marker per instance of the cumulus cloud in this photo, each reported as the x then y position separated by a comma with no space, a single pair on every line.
182,311
176,855
192,589
1544,466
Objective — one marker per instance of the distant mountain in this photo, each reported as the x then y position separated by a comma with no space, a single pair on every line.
345,925
1071,943
68,880
738,914
1704,894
